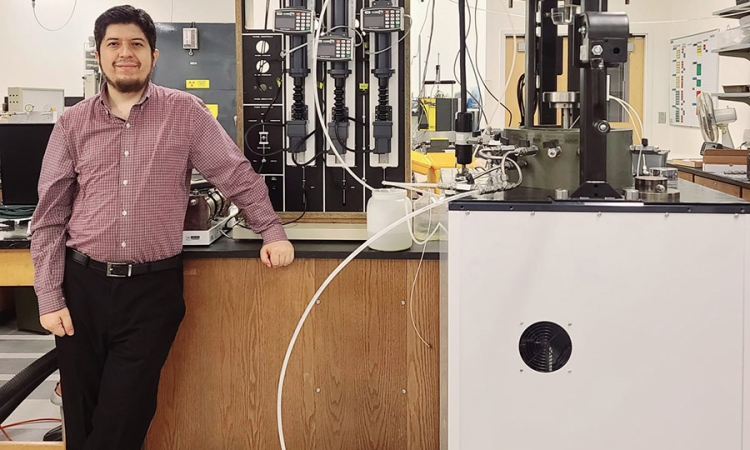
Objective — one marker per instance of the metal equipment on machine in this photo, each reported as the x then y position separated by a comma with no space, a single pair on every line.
355,73
574,315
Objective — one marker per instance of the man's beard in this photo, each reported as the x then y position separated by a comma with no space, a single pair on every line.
128,85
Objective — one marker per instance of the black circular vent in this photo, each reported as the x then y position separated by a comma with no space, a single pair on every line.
545,347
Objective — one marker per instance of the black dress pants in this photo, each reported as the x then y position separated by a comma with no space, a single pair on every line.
110,367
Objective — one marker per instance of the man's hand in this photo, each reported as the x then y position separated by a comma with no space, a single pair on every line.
58,322
277,254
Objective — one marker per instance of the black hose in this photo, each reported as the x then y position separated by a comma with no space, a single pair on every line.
15,391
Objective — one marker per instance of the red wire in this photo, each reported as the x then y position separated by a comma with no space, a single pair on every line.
24,422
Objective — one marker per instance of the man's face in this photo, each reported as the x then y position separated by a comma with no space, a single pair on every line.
125,58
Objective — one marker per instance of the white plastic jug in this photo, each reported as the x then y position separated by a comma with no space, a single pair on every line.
385,207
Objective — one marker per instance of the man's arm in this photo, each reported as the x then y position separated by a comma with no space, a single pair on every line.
223,164
57,185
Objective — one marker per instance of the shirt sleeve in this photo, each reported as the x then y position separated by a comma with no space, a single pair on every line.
57,187
223,164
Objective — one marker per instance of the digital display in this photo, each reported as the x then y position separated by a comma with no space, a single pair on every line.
373,20
286,22
327,49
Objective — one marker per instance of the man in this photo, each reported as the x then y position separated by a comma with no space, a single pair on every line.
107,232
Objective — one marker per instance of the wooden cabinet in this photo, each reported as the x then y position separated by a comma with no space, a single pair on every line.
359,377
16,268
718,185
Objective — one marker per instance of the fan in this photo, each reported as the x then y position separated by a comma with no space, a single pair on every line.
715,121
545,347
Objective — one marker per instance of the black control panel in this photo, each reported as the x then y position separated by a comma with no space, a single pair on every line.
338,48
293,21
384,20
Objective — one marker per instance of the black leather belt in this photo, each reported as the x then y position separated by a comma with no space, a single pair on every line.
123,270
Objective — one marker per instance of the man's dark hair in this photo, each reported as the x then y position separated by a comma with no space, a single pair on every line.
125,14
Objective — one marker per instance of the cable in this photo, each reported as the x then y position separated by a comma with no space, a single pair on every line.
24,422
284,54
510,113
268,7
416,275
423,82
356,31
519,96
513,63
458,53
33,8
429,49
627,107
325,284
251,149
318,110
479,72
343,144
398,41
304,209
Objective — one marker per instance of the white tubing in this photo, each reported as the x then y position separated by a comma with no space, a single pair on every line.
325,284
410,185
628,108
323,121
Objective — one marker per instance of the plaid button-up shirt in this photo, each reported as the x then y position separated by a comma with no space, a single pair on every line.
117,190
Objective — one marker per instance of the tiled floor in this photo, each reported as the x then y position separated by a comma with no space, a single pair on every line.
18,349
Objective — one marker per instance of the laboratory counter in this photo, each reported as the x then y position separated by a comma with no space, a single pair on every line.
735,184
359,376
230,248
365,371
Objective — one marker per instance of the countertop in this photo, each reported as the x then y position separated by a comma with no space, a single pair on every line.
735,179
229,248
694,198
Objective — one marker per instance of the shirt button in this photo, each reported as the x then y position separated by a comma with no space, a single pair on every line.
125,182
127,153
123,245
127,125
124,213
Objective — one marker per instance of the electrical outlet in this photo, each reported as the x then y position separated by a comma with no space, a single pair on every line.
662,117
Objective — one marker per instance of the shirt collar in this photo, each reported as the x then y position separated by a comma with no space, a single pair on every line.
104,97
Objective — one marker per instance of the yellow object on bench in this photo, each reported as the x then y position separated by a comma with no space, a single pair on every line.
430,164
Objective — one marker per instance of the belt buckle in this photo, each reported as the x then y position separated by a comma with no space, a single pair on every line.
111,267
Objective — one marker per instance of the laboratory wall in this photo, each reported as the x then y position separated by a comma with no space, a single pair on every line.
31,56
687,141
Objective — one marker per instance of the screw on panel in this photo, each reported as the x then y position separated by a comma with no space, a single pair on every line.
570,324
533,213
317,302
317,390
520,324
570,371
403,302
597,50
599,214
666,214
520,370
467,213
736,215
403,391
